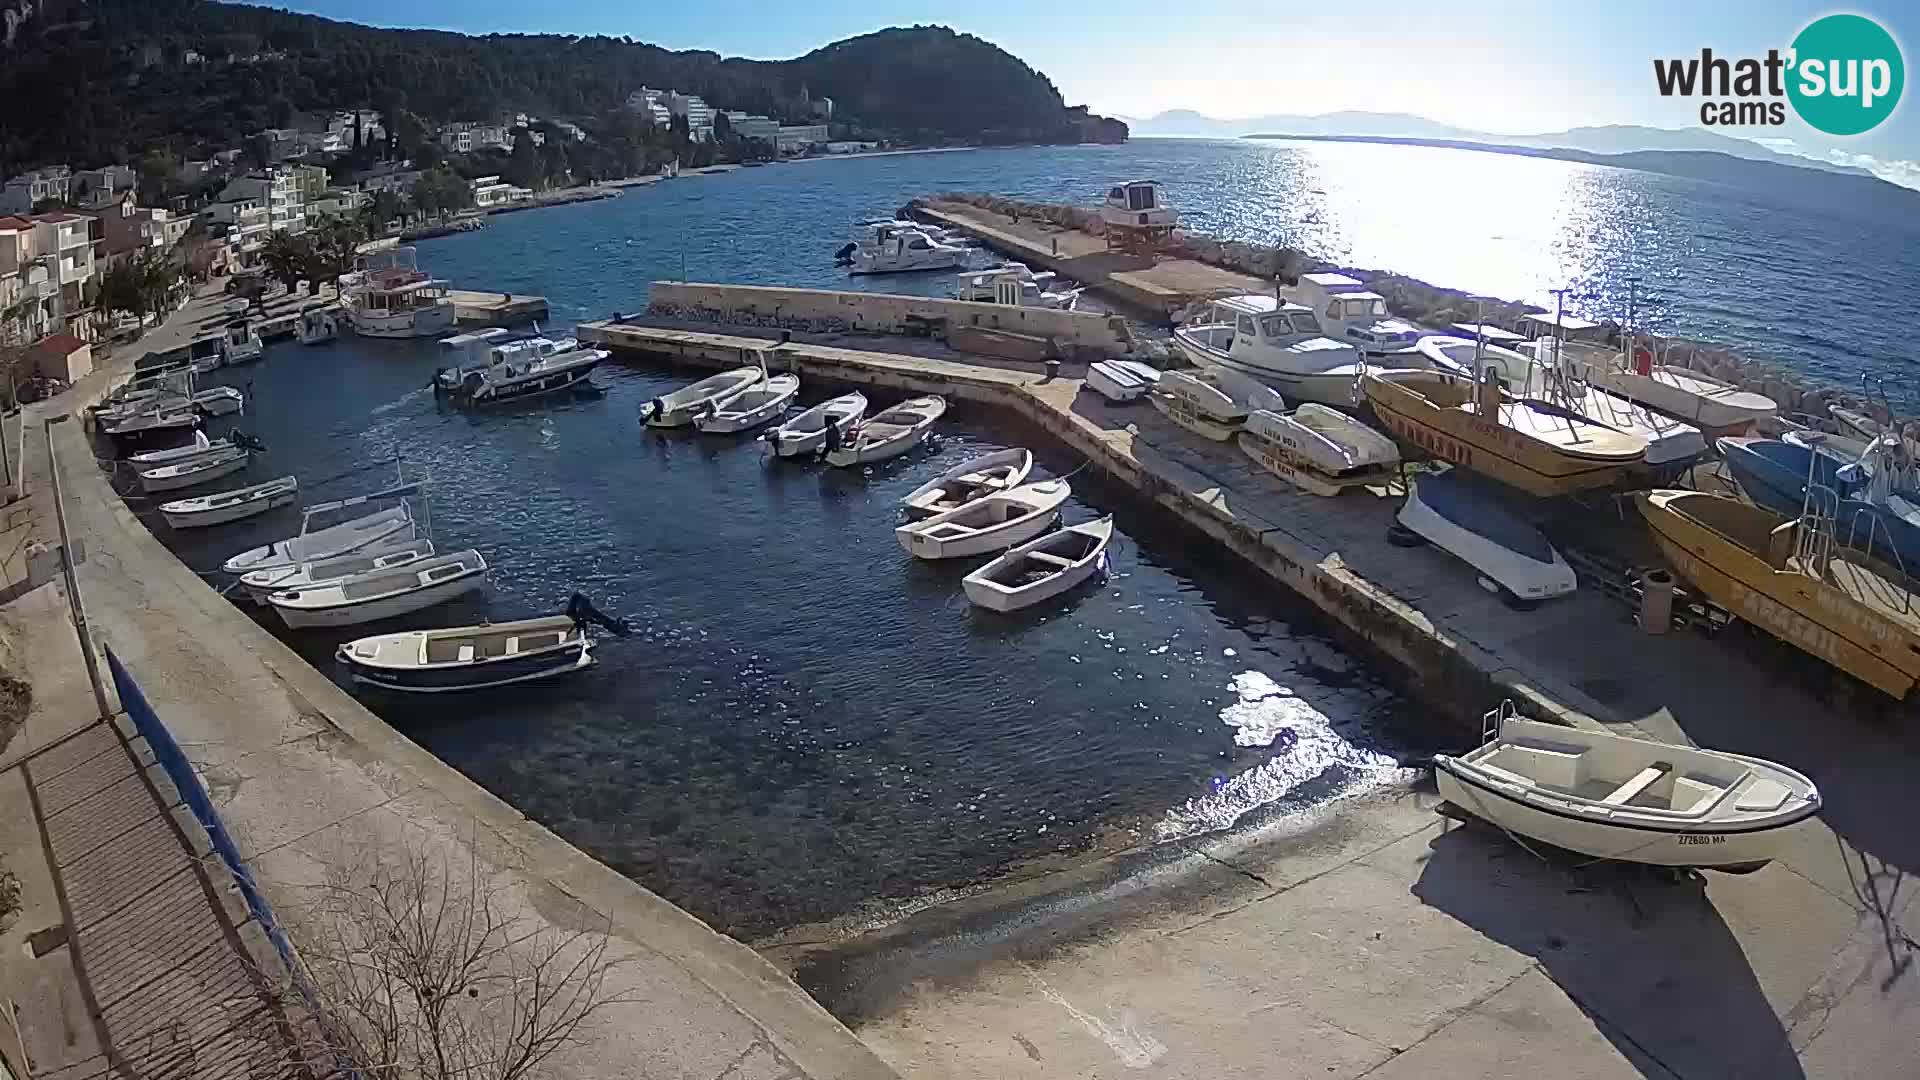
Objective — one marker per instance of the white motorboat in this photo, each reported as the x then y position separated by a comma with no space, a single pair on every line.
888,433
393,523
1014,286
388,296
1318,449
807,432
381,556
1630,800
1000,470
1122,380
219,400
317,326
989,523
1282,345
1138,204
1041,569
170,416
230,505
1212,402
469,657
240,344
749,409
1464,517
680,407
500,371
1719,408
867,232
905,249
199,447
187,473
1349,312
381,594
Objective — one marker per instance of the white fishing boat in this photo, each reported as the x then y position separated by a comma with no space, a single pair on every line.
989,523
1122,380
163,418
386,295
1000,470
469,657
807,432
905,249
392,523
317,326
1318,449
888,433
1014,285
1212,402
1041,569
380,556
1717,407
499,371
219,400
678,408
1349,312
230,505
1465,518
240,344
1630,800
1282,345
201,446
187,473
381,594
749,409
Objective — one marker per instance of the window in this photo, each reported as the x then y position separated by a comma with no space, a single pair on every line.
1305,323
1275,326
1140,197
1333,308
920,244
1246,325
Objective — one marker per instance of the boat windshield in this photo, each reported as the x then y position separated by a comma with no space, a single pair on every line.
1359,308
1304,322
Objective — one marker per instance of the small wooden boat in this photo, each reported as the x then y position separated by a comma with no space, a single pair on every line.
1122,380
1631,800
1536,447
381,594
393,523
1462,516
198,470
750,408
230,505
1041,569
1317,449
381,556
469,657
989,523
201,446
889,433
174,415
1716,407
1212,402
807,433
219,400
969,480
680,407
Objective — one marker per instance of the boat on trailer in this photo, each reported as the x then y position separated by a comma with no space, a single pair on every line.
1628,800
1317,449
678,408
989,523
232,505
469,657
382,556
807,433
888,433
749,409
382,594
969,480
1210,402
1464,517
1041,569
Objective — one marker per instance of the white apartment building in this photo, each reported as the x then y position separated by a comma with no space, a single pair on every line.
651,104
95,189
753,126
29,285
467,137
256,205
800,136
698,113
22,193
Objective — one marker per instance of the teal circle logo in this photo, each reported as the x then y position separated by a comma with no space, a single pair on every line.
1847,74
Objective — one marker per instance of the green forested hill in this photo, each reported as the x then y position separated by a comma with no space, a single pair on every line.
91,81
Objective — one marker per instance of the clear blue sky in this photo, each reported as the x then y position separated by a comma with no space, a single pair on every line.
1513,66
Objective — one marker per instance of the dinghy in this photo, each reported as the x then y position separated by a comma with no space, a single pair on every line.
381,556
230,505
469,657
199,447
147,423
1041,569
1631,800
969,480
1122,380
680,407
219,400
381,594
750,408
1464,517
807,433
191,471
1318,449
987,524
889,433
1212,402
393,523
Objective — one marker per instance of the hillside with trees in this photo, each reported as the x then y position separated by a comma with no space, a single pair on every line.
111,80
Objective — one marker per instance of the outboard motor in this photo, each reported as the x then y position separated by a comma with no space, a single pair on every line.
247,442
582,612
650,410
845,254
831,441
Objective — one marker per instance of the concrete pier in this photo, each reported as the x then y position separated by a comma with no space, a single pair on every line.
474,308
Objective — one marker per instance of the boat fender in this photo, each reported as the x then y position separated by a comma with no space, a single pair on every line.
581,611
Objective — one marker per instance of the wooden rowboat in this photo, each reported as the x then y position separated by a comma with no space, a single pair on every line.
967,481
987,524
1041,569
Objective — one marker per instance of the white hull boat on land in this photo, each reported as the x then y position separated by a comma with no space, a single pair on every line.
969,480
1463,516
751,408
230,505
890,432
1318,449
382,556
987,524
807,433
394,523
382,594
1122,380
469,657
187,473
1629,800
1041,569
1719,408
680,407
1282,345
1210,402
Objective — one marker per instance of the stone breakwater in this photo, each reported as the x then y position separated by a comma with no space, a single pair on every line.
1420,301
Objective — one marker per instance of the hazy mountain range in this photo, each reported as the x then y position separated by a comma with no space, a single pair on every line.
1609,139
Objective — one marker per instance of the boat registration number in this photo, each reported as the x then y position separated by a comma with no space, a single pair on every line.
1701,838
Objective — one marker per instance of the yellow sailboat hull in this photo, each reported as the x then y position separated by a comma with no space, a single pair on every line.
1493,449
1808,613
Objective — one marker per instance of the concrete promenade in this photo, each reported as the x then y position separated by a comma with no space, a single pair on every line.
309,781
